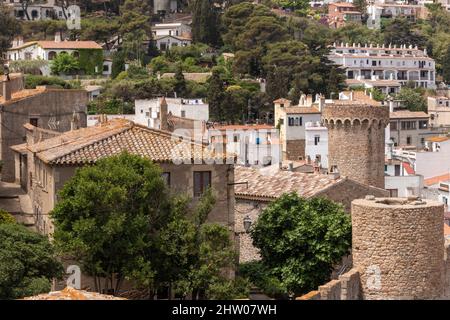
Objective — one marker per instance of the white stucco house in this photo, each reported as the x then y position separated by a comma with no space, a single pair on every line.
48,50
147,110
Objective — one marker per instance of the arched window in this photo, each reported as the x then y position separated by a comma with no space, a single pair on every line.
76,54
51,55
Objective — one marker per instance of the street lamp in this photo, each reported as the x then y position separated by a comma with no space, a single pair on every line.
247,224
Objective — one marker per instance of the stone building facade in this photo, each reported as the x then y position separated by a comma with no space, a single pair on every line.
256,189
398,253
44,107
356,136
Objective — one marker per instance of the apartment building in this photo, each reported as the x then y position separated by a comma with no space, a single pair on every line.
391,10
439,111
409,128
375,62
340,13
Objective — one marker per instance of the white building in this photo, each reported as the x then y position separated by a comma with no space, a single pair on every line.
404,63
48,50
166,42
316,148
391,10
401,180
147,110
254,145
37,10
431,162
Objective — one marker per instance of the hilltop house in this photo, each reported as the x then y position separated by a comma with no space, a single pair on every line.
47,51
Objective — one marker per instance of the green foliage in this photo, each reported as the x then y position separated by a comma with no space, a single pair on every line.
27,66
118,218
9,27
301,239
261,277
89,60
205,22
215,97
377,94
118,63
413,99
107,214
180,82
31,81
28,262
64,63
401,31
6,217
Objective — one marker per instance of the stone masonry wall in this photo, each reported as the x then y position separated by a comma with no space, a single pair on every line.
295,149
398,247
356,141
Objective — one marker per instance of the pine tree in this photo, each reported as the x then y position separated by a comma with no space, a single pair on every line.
215,97
180,82
205,23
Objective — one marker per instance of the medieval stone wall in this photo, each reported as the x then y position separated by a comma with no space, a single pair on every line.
356,141
398,246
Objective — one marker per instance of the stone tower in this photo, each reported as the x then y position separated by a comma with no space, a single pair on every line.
398,247
356,140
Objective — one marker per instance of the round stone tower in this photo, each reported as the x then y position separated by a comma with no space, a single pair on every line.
398,247
356,140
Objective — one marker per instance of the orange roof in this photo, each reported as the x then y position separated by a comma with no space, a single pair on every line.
69,45
282,100
243,127
73,294
437,139
22,94
342,4
435,180
87,145
301,110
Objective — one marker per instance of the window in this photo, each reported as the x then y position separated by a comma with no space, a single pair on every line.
202,181
393,125
300,121
423,124
397,170
316,140
236,138
408,125
408,140
290,121
183,113
166,178
393,193
34,121
105,68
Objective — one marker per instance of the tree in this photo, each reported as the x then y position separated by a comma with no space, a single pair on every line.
5,217
215,97
9,27
28,262
446,66
412,99
180,82
300,240
205,22
108,215
64,63
400,31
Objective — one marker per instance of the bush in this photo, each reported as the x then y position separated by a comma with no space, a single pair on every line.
31,81
259,276
5,217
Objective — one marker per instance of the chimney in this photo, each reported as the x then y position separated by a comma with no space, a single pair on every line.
291,166
351,95
321,103
163,114
58,36
6,90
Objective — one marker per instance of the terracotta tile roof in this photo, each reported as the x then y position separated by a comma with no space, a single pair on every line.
435,180
342,4
73,294
301,110
408,114
22,94
437,139
282,100
243,127
270,183
69,45
87,145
